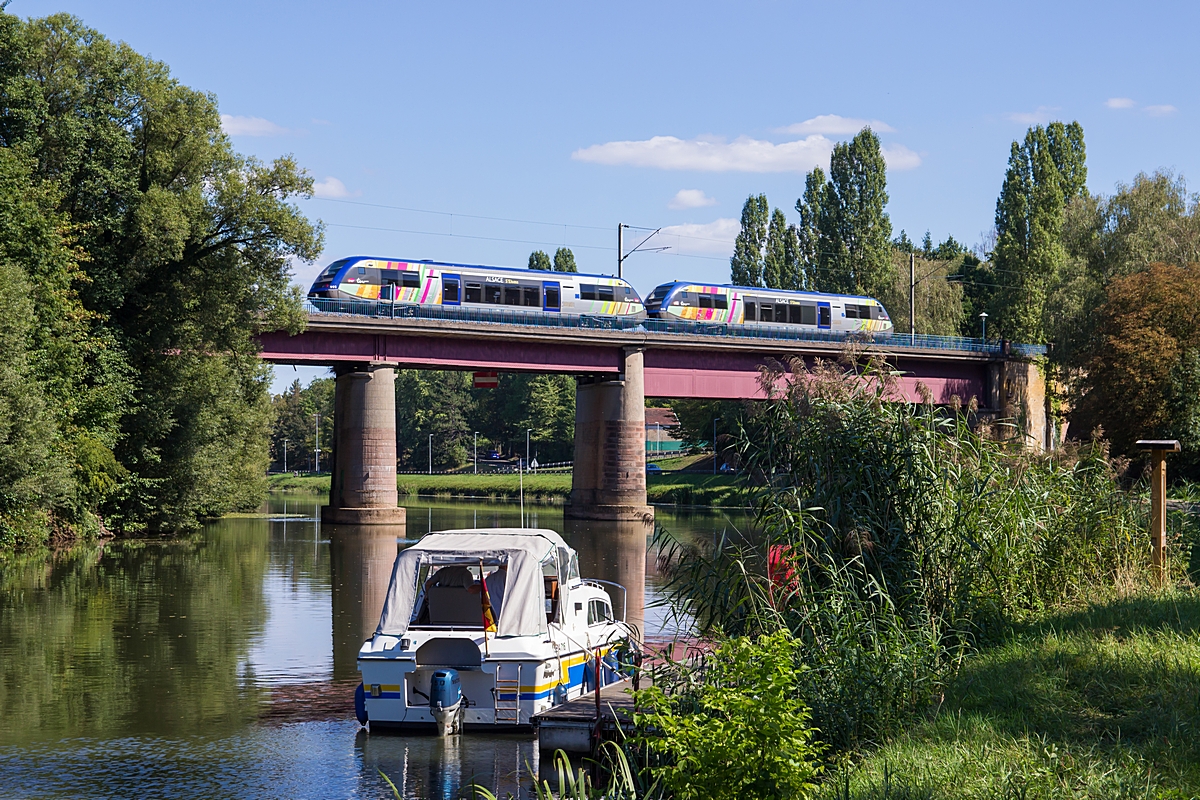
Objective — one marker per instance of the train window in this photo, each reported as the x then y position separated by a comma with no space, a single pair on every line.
720,301
823,316
851,311
864,312
529,296
605,293
808,314
362,270
493,294
706,301
512,295
449,290
474,293
794,315
411,280
751,311
552,302
766,313
587,291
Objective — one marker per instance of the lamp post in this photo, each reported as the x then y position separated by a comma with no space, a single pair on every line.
318,447
715,444
431,454
527,432
285,441
983,324
476,452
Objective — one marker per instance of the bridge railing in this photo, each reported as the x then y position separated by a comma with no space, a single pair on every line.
536,318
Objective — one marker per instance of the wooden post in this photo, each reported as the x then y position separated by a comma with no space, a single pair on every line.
1158,501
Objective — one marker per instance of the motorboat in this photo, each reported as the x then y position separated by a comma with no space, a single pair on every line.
487,627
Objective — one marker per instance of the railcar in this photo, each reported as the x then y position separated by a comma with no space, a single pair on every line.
433,283
768,308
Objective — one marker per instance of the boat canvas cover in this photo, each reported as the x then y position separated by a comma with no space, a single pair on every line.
522,612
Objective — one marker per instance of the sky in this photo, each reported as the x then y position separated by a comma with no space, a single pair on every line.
478,132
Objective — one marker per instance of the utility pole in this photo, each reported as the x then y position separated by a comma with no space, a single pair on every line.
431,454
285,441
912,295
476,452
620,247
318,447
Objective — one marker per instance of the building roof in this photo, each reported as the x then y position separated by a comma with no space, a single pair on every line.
661,416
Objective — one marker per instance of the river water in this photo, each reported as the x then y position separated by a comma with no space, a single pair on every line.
223,664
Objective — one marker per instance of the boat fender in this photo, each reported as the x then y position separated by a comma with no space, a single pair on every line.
560,694
360,704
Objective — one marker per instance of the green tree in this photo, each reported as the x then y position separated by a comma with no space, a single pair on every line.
746,264
854,232
781,259
539,260
564,260
1045,173
809,206
436,403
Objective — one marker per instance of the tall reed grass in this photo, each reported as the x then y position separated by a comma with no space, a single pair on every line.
894,538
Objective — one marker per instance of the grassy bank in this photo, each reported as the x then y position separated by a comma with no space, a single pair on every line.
668,489
1098,702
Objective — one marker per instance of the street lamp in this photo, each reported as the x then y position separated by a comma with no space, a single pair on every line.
476,452
285,441
431,454
318,447
527,432
715,444
983,324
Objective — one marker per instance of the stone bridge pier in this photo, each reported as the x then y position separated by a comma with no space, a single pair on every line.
608,481
363,486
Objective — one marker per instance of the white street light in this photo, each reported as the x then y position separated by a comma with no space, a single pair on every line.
431,454
476,452
318,447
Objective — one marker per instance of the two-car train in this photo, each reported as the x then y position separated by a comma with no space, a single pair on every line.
394,283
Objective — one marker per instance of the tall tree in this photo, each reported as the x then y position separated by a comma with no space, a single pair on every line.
809,229
854,230
1045,173
746,264
776,269
539,260
564,260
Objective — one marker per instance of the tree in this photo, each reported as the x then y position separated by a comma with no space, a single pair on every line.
809,206
1044,174
781,260
855,232
539,260
564,260
746,264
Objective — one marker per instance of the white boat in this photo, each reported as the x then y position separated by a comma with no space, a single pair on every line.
431,664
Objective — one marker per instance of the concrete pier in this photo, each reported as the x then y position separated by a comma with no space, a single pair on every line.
608,481
363,490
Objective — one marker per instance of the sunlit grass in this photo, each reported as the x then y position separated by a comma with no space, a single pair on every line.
1099,702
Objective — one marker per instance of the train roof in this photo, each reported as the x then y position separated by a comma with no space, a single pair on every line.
352,259
763,289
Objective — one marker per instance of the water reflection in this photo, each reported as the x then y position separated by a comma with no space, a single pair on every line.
222,664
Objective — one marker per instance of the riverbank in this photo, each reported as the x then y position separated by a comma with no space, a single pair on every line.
681,489
1098,701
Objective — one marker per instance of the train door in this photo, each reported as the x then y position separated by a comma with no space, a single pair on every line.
824,316
551,296
450,290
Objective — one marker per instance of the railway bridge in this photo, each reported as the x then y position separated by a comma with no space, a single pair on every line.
617,366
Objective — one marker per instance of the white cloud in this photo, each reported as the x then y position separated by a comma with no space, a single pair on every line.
899,157
709,238
835,125
691,198
1160,111
712,155
332,189
250,126
1040,116
1119,102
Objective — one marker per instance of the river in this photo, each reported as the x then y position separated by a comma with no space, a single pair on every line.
223,664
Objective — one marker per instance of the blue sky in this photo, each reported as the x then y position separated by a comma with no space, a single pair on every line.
504,128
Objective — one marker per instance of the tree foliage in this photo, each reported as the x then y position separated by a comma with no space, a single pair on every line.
564,260
539,260
746,264
156,254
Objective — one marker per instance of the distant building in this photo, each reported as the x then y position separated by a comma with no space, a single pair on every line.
661,428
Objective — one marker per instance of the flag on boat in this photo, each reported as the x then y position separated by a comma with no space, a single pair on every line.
489,618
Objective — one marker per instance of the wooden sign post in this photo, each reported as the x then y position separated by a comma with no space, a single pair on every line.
1158,500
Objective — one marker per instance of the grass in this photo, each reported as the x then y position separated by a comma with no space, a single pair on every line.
1103,701
668,489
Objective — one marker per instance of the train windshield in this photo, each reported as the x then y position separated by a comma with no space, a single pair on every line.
332,269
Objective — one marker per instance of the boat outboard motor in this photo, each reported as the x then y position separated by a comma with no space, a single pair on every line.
446,701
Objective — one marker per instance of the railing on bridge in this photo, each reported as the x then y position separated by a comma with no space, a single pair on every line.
540,319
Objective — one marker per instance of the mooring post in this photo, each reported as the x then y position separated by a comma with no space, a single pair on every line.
1158,500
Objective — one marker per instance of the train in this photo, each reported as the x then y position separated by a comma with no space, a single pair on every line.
397,283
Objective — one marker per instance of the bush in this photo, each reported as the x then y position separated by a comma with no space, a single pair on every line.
734,728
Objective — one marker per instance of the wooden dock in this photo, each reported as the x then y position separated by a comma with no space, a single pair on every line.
572,726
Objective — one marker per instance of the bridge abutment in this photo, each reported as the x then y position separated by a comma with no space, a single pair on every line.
363,486
608,481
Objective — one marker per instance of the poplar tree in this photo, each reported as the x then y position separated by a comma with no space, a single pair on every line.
775,266
539,260
808,231
564,260
1044,174
746,265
